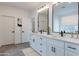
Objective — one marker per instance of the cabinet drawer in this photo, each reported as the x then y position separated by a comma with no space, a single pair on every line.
42,51
50,41
72,47
42,38
59,43
59,51
69,53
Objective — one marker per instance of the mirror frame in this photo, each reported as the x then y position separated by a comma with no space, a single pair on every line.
78,17
53,14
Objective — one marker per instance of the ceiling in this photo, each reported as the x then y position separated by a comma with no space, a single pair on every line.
24,5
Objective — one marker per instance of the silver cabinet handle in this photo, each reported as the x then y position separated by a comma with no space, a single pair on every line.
71,47
41,38
54,50
41,44
33,40
22,31
41,51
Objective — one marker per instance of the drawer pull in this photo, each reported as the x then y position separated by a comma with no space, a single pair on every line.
41,51
41,38
52,49
72,48
41,44
33,40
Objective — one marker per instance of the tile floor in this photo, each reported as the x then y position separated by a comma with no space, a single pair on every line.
13,50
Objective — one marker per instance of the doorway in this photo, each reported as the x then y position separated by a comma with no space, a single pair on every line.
7,30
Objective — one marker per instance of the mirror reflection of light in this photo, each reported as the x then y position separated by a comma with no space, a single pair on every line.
45,7
69,2
54,3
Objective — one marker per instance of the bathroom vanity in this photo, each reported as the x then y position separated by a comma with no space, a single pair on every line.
49,45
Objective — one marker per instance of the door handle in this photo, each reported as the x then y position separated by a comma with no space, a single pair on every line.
13,31
54,50
33,40
22,31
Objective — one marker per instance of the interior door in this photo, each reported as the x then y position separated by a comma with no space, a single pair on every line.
7,30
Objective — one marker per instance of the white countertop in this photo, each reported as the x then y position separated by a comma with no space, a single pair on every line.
67,39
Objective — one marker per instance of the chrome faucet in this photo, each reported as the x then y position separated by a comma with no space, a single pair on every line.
77,35
72,35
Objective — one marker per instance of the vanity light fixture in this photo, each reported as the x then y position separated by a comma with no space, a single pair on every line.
45,7
54,3
69,2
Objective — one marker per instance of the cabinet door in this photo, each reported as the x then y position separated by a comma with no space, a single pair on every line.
59,51
69,53
33,43
50,48
37,44
43,46
59,48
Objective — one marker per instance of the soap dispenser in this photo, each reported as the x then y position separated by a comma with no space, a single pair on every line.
61,33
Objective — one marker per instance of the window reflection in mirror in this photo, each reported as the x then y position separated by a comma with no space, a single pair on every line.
65,17
43,20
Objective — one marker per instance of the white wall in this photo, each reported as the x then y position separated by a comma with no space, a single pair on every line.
18,13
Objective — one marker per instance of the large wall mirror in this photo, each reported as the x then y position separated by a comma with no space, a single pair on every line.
65,17
43,21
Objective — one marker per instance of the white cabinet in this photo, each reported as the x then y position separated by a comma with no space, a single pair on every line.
38,43
50,48
55,47
45,46
69,53
59,51
59,48
42,46
32,42
71,49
